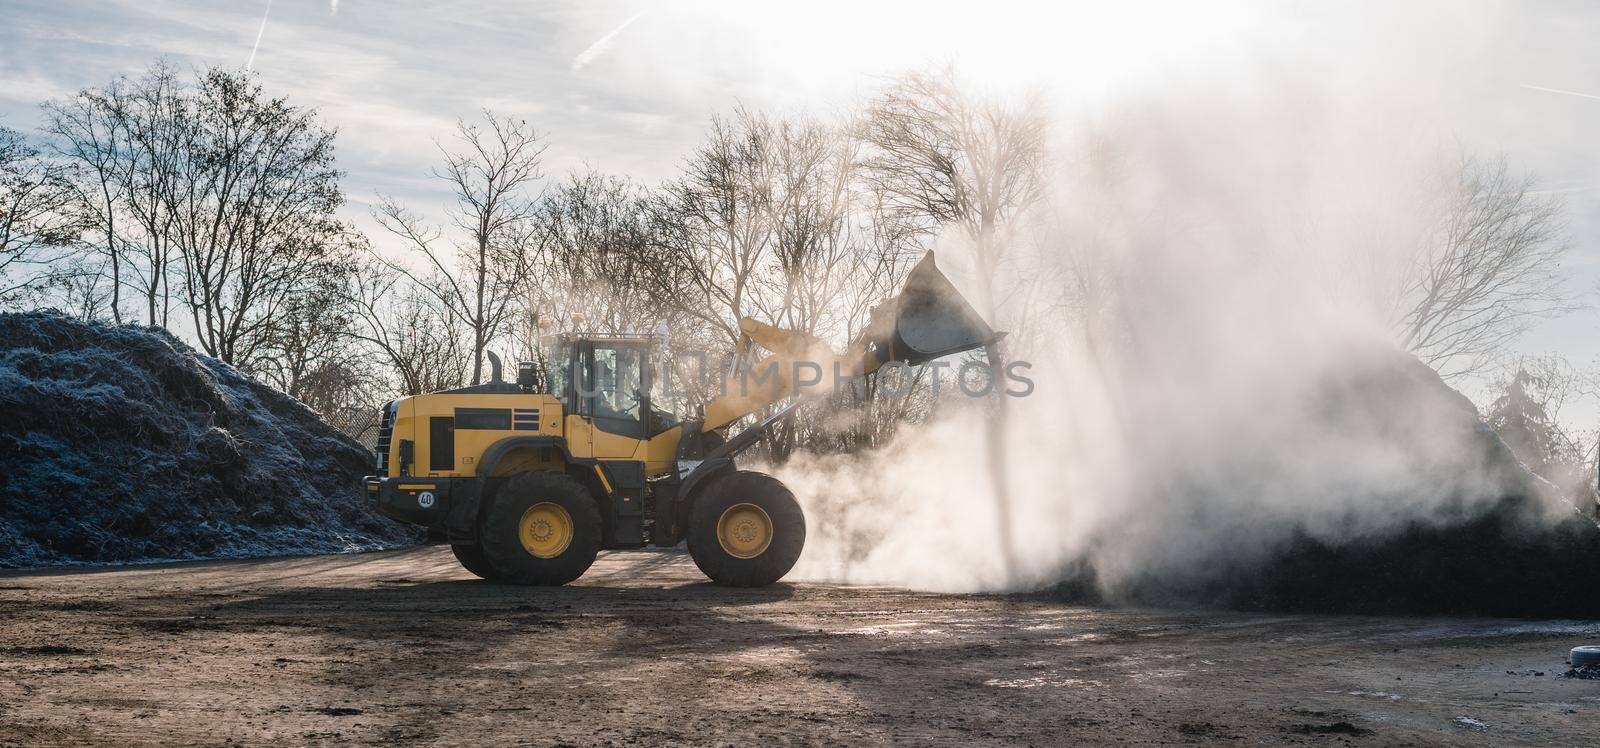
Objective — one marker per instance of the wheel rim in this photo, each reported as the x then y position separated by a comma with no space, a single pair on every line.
744,530
545,530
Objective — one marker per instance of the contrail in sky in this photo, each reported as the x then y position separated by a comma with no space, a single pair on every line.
1559,91
251,63
599,47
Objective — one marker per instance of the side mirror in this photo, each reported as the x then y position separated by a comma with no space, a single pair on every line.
408,453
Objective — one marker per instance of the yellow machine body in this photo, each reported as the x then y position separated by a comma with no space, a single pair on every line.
462,457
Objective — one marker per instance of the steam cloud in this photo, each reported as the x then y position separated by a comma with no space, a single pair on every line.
1223,377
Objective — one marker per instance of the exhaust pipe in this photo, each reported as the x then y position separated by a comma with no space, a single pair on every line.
495,370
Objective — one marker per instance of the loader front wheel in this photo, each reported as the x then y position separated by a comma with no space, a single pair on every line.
543,529
472,559
746,530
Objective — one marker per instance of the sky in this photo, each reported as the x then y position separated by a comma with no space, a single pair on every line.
629,86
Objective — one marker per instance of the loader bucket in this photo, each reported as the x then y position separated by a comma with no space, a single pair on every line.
932,319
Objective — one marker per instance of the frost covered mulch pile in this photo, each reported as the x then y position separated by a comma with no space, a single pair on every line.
121,443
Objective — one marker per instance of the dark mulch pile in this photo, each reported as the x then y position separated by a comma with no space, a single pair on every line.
121,443
1503,543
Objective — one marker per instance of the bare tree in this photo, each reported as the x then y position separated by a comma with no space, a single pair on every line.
417,336
215,187
82,290
37,223
1491,270
312,353
717,231
252,212
1527,415
478,277
953,158
760,224
86,133
771,221
716,226
592,266
593,257
150,113
125,140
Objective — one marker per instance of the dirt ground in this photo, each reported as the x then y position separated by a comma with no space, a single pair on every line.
404,647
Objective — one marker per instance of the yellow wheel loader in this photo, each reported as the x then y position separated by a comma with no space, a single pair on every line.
528,482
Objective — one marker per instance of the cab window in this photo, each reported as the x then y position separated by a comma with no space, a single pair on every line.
614,392
667,402
558,368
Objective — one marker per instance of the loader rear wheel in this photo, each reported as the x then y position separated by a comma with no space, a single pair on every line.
542,529
472,559
746,530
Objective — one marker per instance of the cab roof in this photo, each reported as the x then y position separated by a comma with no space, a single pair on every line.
591,337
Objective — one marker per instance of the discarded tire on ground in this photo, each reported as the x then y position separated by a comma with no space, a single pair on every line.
746,530
1587,655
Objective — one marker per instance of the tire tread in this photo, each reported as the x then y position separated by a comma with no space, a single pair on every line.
789,530
503,548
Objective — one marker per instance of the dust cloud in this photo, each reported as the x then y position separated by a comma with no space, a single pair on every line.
1219,377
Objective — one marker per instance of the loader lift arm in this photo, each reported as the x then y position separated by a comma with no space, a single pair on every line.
927,320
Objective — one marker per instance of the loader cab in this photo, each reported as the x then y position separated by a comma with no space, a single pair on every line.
614,380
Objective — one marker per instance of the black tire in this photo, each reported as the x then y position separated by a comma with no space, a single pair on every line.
786,537
502,529
473,559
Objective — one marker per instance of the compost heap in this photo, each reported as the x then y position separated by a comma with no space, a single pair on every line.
1500,541
121,443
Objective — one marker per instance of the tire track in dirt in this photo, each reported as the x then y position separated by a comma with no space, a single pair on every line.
403,647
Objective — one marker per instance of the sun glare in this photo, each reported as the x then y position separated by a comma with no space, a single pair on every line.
834,47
